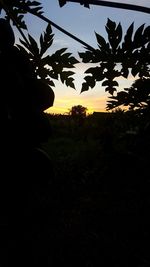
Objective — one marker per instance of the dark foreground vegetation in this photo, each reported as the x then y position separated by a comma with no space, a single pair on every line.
81,198
98,198
74,190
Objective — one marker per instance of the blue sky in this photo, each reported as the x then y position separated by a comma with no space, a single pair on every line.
83,22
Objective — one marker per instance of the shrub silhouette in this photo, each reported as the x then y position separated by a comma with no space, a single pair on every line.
78,111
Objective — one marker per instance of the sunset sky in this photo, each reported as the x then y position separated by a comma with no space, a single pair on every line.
83,23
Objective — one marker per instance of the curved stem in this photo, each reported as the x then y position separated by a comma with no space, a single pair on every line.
46,20
61,29
113,4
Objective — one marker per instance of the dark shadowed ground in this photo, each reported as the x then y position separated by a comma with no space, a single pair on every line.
83,199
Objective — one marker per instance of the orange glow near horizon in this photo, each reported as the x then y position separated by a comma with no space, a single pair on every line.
59,110
64,104
94,99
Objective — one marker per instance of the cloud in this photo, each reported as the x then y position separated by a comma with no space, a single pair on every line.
60,42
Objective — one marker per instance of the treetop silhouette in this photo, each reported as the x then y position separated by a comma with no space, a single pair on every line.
78,111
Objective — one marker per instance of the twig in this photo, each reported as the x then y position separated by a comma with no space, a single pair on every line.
61,29
113,4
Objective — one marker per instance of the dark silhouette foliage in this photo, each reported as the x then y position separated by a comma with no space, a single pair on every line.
78,111
117,57
31,70
27,72
78,114
71,195
137,97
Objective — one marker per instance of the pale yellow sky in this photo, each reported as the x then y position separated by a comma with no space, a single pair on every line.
94,99
66,97
64,104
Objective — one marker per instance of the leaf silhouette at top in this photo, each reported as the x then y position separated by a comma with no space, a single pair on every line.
101,41
138,37
127,44
33,47
49,67
114,33
46,40
120,56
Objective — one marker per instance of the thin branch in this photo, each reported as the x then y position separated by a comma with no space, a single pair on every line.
113,4
61,29
46,20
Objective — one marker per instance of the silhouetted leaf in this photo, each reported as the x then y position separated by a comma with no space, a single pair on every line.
62,3
24,43
115,83
37,10
146,33
50,82
65,58
33,48
85,87
114,33
60,60
138,37
119,33
110,26
125,72
111,104
110,83
46,40
127,44
105,83
90,81
19,19
135,70
73,60
35,6
101,41
97,73
34,3
69,82
87,57
53,74
110,89
64,75
122,97
60,51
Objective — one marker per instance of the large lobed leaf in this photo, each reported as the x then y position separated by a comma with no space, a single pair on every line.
49,67
118,57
